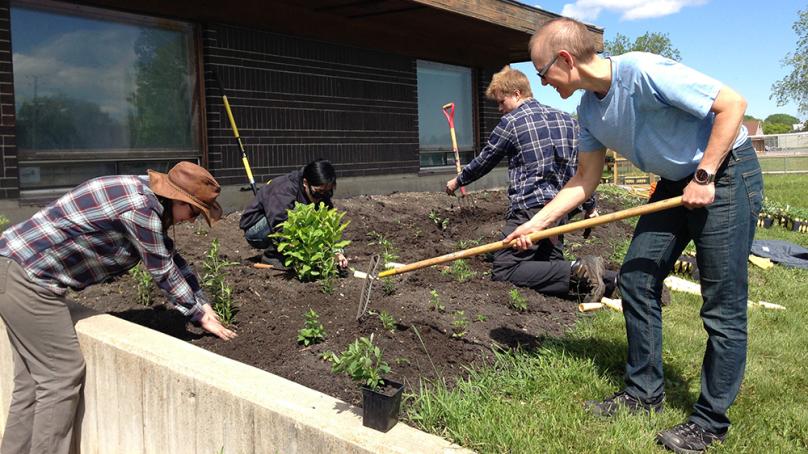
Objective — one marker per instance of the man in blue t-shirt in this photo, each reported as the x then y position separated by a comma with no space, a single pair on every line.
686,127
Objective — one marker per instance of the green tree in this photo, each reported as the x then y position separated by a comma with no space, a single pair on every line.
794,86
776,128
656,43
785,119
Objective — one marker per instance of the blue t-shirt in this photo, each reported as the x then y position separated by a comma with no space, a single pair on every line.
656,114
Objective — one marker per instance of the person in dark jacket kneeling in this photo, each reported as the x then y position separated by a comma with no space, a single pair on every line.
313,183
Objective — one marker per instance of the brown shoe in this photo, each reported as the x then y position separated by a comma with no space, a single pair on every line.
587,277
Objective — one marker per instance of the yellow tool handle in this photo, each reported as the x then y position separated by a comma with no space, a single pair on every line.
540,235
232,120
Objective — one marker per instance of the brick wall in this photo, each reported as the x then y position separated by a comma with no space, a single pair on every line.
9,184
489,113
295,100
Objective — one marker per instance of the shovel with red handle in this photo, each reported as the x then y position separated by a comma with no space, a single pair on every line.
448,111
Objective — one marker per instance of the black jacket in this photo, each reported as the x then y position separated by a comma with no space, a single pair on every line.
275,198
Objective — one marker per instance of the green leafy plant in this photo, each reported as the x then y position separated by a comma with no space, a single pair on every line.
388,286
388,321
213,281
480,318
434,300
309,238
460,271
362,361
327,285
144,284
518,301
3,221
389,252
466,244
399,360
313,331
459,324
440,222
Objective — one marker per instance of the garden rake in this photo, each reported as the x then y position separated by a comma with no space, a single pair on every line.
499,245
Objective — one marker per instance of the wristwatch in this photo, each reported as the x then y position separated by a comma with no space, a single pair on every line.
703,177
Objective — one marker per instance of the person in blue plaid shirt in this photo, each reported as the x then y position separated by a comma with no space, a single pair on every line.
540,144
98,230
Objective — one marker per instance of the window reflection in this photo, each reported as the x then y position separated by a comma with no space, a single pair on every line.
439,84
92,87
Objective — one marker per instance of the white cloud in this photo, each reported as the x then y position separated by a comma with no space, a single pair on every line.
588,10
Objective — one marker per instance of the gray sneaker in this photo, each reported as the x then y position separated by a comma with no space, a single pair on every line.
688,438
587,277
611,405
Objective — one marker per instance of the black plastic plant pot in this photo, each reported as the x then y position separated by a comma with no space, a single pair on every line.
380,408
795,225
767,222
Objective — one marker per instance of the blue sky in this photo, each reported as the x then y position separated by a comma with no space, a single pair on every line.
739,42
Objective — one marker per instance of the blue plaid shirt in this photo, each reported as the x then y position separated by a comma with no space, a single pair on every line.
541,144
99,230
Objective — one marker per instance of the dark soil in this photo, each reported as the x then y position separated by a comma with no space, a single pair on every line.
271,305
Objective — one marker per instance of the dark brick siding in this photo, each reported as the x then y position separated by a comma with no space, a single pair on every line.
9,184
489,113
295,100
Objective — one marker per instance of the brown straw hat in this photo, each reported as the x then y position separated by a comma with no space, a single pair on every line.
189,183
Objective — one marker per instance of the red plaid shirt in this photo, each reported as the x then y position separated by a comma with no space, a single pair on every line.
99,230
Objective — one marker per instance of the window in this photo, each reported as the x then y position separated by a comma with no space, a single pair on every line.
440,84
99,93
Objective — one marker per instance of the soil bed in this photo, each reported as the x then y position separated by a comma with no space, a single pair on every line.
271,305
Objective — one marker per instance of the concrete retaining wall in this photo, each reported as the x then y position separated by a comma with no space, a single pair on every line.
147,392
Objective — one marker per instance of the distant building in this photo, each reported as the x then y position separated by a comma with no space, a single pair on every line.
104,87
755,130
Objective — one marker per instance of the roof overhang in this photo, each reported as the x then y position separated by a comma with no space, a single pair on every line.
477,33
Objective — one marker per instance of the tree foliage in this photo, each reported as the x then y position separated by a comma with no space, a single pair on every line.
794,86
656,43
785,119
776,128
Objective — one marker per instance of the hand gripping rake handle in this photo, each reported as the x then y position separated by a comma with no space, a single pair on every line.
244,159
540,235
448,112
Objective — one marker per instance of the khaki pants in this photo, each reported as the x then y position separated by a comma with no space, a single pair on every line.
48,366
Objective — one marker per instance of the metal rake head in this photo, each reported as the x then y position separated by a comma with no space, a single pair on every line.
364,298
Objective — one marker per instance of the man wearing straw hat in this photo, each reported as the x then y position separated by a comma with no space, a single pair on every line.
98,230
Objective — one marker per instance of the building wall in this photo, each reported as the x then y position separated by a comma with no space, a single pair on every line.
295,100
488,109
9,184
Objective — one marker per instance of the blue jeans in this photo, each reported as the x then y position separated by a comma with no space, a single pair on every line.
258,235
722,233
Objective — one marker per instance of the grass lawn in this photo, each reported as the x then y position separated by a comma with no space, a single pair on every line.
532,402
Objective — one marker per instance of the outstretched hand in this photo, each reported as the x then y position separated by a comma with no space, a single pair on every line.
451,186
210,322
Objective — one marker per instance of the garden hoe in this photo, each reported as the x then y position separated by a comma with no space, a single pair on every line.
499,245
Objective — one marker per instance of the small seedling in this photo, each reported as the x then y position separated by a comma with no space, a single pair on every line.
459,324
460,271
327,285
401,360
328,356
388,321
312,331
440,222
481,318
466,244
434,300
362,361
388,286
213,281
518,301
389,252
144,283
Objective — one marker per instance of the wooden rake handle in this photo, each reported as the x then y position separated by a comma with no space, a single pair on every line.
540,235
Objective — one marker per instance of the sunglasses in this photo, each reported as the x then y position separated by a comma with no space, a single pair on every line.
543,72
321,193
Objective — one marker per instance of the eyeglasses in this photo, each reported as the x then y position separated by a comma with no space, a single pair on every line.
543,72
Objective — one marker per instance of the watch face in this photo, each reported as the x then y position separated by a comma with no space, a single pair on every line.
701,176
